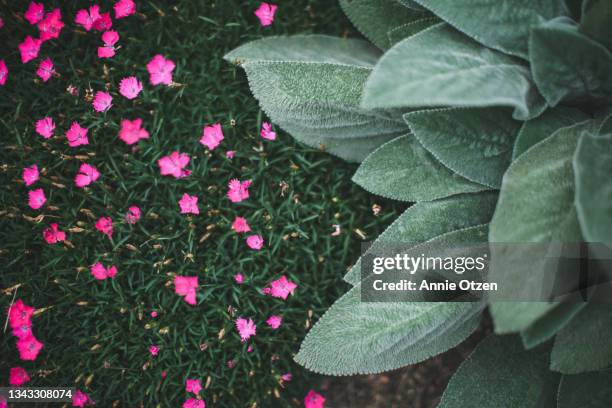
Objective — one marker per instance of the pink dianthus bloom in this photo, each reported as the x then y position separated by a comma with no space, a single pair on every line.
160,70
194,403
34,13
174,165
45,69
28,348
314,400
238,191
100,272
51,26
230,154
87,175
18,376
186,286
36,198
3,72
240,224
103,23
154,350
88,18
193,385
30,175
274,321
109,38
246,328
265,13
131,131
102,101
282,288
212,136
239,278
130,87
53,235
77,135
189,204
124,8
133,215
29,49
105,226
255,242
267,132
20,314
45,127
80,399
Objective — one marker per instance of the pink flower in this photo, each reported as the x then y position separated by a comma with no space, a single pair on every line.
53,235
240,224
87,19
238,191
1,22
51,26
3,72
29,49
239,278
274,321
23,331
154,314
282,287
267,132
230,154
174,165
30,175
164,374
77,135
193,385
28,348
45,127
287,377
80,399
186,286
255,242
87,175
18,376
45,69
133,215
130,87
189,204
314,400
265,13
20,314
246,328
105,226
3,403
194,403
131,131
124,8
102,101
100,272
212,136
109,38
154,350
160,70
34,13
103,23
36,198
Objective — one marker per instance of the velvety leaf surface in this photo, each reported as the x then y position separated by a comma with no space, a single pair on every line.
355,337
569,66
548,325
589,390
375,18
425,220
411,4
403,170
474,143
406,30
535,130
536,204
593,172
499,24
584,344
442,67
500,373
596,21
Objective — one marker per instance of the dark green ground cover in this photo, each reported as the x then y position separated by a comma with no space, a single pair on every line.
96,334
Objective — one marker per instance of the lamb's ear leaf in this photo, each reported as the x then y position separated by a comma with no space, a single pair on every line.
588,390
355,337
374,18
403,170
500,373
311,86
596,21
584,344
536,204
593,169
503,25
397,34
475,143
568,65
426,220
412,4
439,66
535,130
548,325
